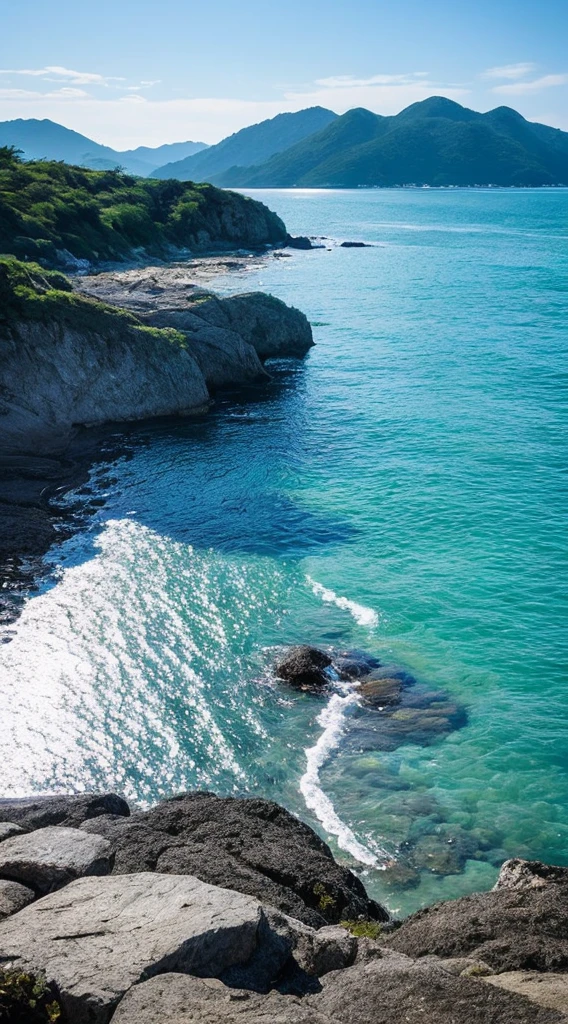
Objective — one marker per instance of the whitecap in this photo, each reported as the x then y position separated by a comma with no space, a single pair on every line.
332,719
363,616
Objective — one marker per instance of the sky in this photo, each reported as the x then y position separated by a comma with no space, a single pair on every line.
131,73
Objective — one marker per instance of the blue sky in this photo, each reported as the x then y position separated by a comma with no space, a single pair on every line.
129,73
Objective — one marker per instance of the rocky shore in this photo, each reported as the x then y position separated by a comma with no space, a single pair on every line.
219,910
122,346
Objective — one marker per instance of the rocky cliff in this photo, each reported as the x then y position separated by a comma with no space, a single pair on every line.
68,360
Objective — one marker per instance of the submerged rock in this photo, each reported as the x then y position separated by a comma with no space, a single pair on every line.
251,845
354,664
304,667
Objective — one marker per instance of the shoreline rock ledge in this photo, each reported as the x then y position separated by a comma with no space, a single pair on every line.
142,935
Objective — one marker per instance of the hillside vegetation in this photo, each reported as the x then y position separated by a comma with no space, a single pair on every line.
252,145
48,208
435,142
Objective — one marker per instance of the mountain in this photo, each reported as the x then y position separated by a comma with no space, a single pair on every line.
253,145
434,142
39,140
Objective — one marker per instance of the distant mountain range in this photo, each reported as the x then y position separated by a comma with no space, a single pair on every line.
39,140
436,142
250,146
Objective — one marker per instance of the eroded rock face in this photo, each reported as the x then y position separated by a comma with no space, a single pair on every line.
9,829
39,811
52,857
304,667
550,990
510,929
99,936
253,846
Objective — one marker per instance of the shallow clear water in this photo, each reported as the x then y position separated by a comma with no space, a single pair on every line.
403,490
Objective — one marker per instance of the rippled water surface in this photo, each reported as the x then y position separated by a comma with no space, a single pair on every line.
402,491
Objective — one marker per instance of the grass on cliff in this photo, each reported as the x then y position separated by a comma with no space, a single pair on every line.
29,293
46,206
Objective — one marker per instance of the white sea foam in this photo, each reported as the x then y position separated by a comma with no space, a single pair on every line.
363,616
332,719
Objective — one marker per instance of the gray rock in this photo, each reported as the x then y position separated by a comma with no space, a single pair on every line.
39,811
304,667
523,927
99,936
9,829
13,897
530,874
354,664
388,990
179,999
550,990
251,845
398,990
51,857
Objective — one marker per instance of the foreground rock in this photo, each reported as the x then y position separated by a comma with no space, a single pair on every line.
100,936
253,846
52,857
550,990
511,928
39,811
391,989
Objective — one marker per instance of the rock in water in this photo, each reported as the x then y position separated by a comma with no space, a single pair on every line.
251,845
299,242
51,857
39,811
304,667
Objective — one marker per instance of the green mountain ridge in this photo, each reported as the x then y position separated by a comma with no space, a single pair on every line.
435,142
47,140
254,144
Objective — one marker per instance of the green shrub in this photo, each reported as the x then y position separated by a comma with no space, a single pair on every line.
26,999
363,929
326,902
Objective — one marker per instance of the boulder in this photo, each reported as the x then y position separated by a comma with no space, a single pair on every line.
179,999
550,990
38,811
387,990
9,829
13,897
99,936
251,845
304,667
399,990
355,245
510,928
51,857
299,242
530,874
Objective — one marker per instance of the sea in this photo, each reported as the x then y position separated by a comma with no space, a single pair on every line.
401,491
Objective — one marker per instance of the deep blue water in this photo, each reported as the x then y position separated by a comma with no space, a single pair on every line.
402,490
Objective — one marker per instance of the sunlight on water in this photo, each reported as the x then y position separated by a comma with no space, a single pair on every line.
402,491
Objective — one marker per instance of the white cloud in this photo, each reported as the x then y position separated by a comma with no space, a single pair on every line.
512,71
536,85
349,82
55,73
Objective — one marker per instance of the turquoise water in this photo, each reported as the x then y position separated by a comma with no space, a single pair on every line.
403,490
